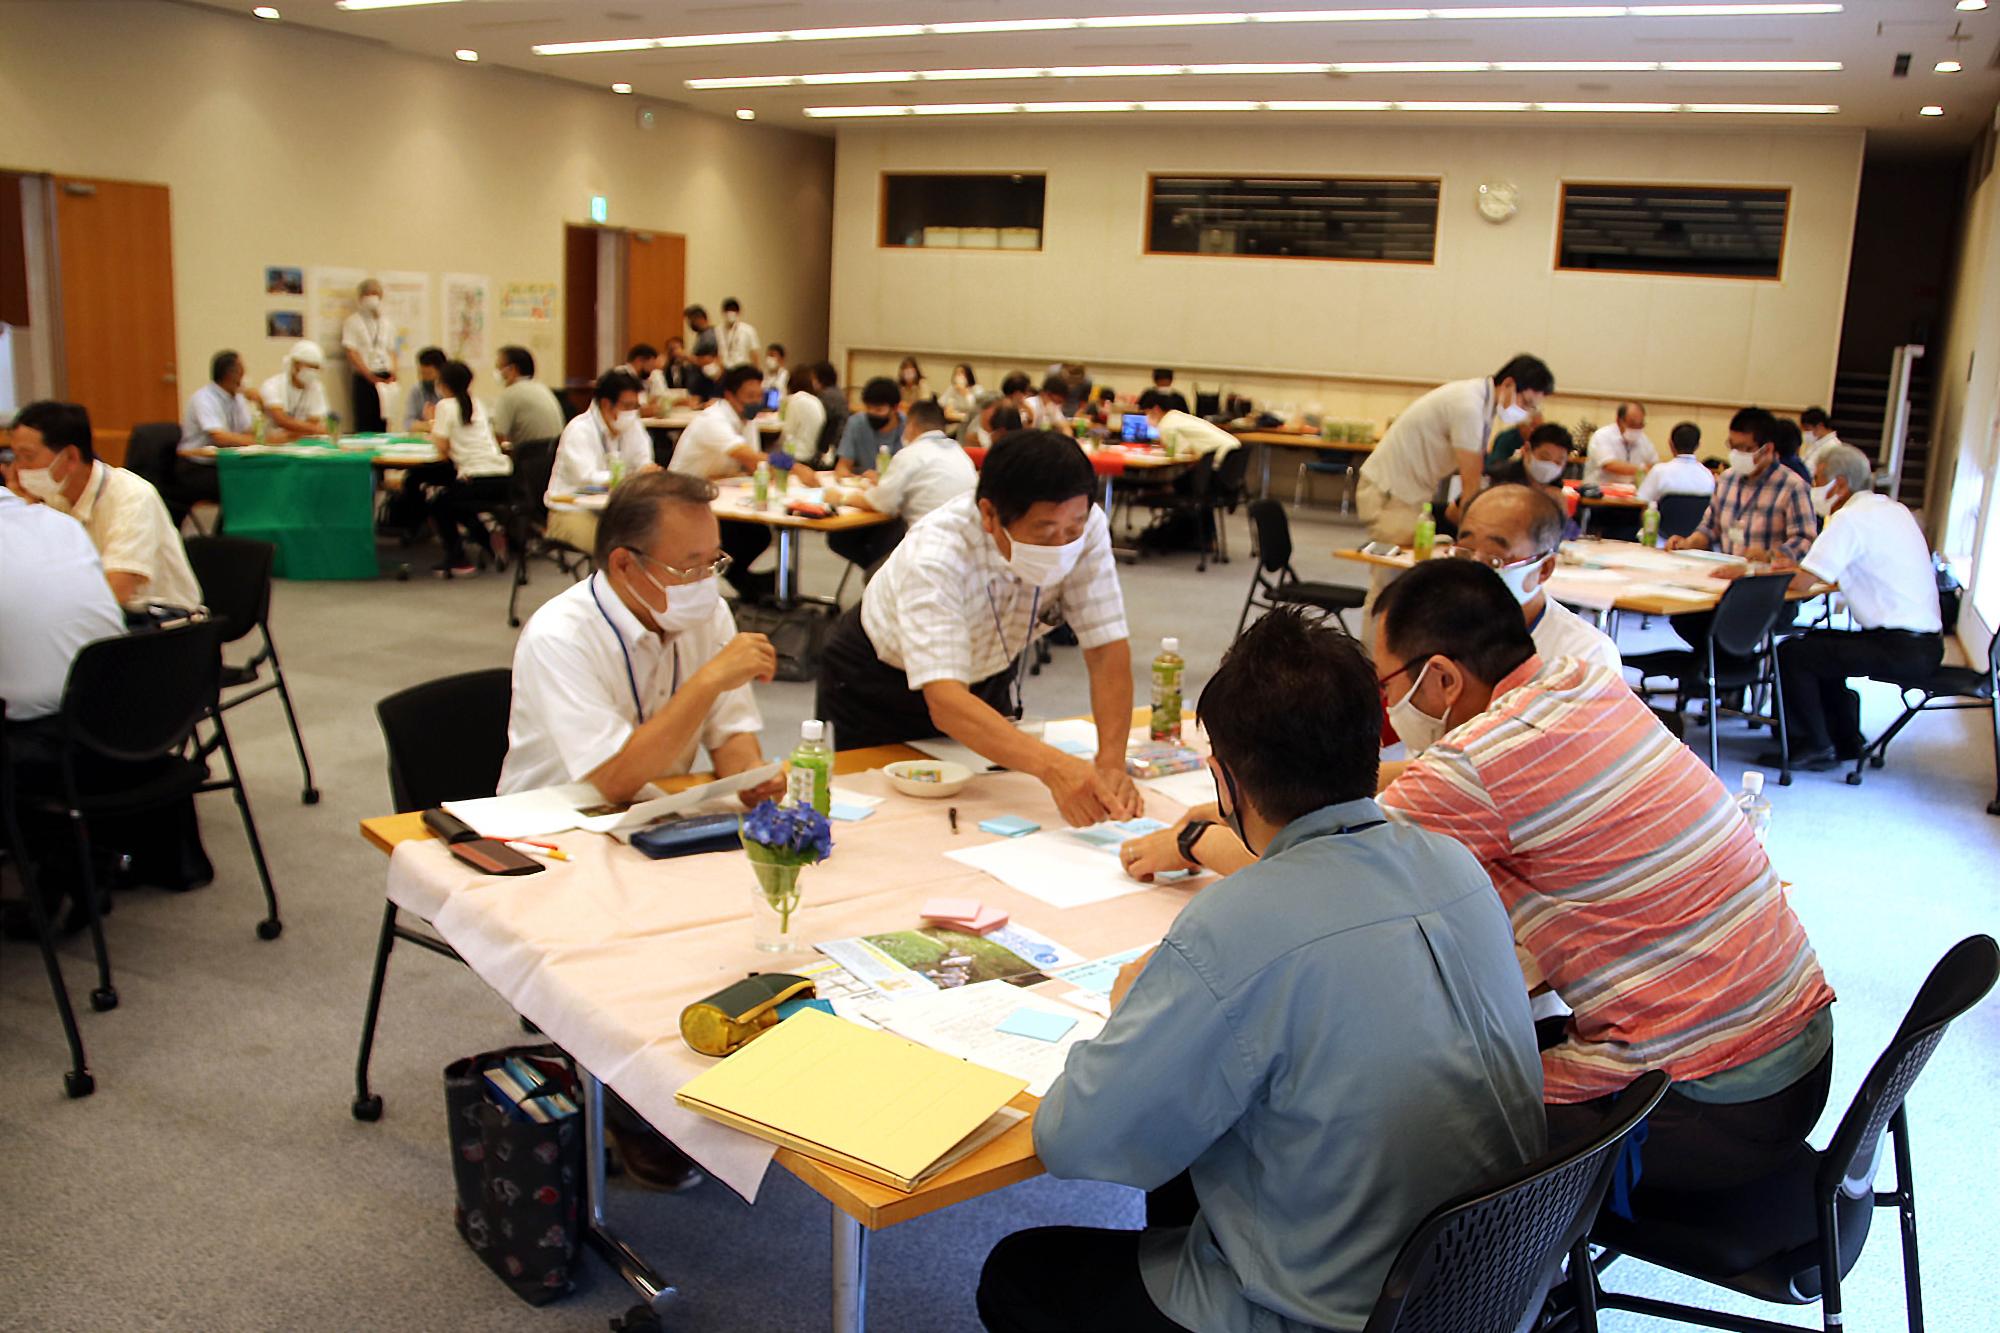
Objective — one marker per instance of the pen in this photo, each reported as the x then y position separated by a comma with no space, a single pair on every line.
952,814
537,842
540,849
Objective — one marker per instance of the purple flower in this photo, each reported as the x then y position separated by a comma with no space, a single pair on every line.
799,835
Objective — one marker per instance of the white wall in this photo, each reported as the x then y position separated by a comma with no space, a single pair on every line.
1092,295
285,146
1965,464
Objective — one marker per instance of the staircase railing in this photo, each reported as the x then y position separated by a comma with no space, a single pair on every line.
1896,417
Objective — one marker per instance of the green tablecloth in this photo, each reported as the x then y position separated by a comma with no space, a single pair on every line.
314,502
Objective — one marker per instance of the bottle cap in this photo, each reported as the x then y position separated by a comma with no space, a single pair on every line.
1753,782
1170,644
812,729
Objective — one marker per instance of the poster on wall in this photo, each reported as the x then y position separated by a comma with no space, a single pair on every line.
468,299
284,280
285,325
528,302
406,300
329,301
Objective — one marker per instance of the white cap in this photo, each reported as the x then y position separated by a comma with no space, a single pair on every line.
1170,644
1753,781
812,729
305,352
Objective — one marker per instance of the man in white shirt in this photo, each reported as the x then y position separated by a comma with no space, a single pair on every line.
525,409
1050,408
54,599
608,432
1815,436
56,463
217,416
294,399
723,441
642,363
1872,547
1444,431
623,677
776,375
1619,452
1183,434
737,343
929,470
937,643
1517,531
369,339
1683,474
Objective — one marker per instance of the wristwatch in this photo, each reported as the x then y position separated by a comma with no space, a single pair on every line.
1189,836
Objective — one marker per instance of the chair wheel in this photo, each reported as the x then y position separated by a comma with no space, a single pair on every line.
1854,779
310,796
513,622
1784,779
367,1109
1877,760
270,928
104,999
78,1083
402,573
1993,806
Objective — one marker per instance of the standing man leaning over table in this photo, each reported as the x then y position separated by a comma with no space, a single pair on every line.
1872,547
610,429
1322,1050
294,399
369,339
937,642
1443,432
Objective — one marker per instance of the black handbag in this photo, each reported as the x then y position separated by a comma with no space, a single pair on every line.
520,1183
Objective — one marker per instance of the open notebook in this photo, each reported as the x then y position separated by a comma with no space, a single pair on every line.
857,1098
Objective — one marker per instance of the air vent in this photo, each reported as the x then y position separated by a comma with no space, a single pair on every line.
1903,65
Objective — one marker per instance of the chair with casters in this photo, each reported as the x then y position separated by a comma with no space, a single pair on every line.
1274,584
1790,1238
446,740
1739,652
1945,690
1482,1263
524,520
104,718
1681,514
235,578
77,1080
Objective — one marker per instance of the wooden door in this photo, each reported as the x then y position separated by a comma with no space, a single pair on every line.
655,287
115,275
580,305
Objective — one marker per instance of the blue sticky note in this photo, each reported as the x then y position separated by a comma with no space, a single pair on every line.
1039,1024
844,810
793,1006
1077,748
1008,826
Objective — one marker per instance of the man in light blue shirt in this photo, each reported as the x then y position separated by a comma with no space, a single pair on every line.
1329,1043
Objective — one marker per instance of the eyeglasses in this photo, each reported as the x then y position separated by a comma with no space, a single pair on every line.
1457,552
685,576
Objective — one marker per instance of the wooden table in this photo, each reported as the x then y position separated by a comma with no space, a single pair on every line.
680,418
732,505
860,1206
1267,440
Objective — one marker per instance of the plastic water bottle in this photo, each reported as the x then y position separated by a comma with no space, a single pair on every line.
1426,535
1752,803
1168,670
809,780
882,456
259,425
1649,525
333,428
760,486
617,471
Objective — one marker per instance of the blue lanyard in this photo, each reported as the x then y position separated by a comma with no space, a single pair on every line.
631,676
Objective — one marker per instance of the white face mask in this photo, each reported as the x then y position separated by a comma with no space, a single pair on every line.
1822,500
1043,566
308,376
770,363
1742,462
688,605
1544,470
625,421
1517,577
1513,414
41,483
1419,730
728,320
372,304
960,380
1633,436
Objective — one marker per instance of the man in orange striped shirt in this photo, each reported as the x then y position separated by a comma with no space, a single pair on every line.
1636,888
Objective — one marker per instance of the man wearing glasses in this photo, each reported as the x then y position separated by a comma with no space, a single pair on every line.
1517,532
624,677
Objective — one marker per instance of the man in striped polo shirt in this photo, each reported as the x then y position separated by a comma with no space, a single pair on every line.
1637,890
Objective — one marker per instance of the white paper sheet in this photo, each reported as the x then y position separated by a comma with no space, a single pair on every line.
1187,789
943,747
964,1022
531,814
1054,867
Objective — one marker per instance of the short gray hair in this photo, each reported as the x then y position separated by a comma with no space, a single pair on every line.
632,516
1546,519
1843,462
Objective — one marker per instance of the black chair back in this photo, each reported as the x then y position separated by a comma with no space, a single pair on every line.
534,461
447,738
1960,980
138,696
150,452
1483,1261
1274,535
1201,479
1748,612
1681,514
235,578
1229,476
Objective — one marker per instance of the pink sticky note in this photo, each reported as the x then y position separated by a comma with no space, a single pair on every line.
951,909
989,918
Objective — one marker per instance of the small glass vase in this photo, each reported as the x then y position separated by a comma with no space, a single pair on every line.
774,902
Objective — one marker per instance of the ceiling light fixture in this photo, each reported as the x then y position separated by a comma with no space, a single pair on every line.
1113,21
387,4
745,113
1931,111
267,12
1622,107
1601,108
467,54
1947,67
1972,6
623,89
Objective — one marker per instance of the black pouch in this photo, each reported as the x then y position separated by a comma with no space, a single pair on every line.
519,1183
798,634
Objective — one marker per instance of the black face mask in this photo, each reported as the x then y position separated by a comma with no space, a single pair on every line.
879,423
749,409
1233,816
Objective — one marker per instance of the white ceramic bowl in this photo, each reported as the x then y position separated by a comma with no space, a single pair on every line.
928,779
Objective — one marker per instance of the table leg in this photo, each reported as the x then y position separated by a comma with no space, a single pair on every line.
788,565
636,1271
1264,486
850,1274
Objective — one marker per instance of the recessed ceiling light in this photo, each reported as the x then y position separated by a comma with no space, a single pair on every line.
269,12
467,54
1947,67
745,113
1931,111
621,88
1972,6
388,4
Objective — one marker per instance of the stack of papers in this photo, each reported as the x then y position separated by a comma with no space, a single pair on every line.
578,805
993,1024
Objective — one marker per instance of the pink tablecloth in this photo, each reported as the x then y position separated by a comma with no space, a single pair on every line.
603,953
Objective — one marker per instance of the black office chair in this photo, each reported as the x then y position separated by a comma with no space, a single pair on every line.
1481,1263
77,1081
150,452
1273,583
446,740
525,518
1791,1238
1681,514
137,699
235,577
1228,492
1739,652
1192,505
1945,690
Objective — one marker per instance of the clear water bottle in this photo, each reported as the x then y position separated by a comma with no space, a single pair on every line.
1168,670
1752,803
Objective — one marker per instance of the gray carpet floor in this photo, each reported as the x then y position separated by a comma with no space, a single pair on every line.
216,1181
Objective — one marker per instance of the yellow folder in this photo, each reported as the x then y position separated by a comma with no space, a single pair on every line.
862,1099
